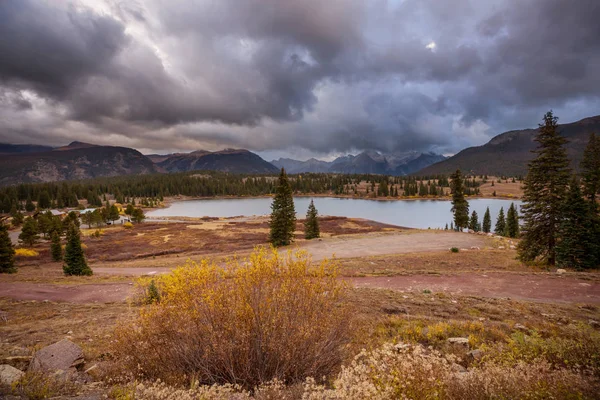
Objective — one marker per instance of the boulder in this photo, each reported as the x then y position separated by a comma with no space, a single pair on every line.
521,327
9,374
61,356
474,355
561,271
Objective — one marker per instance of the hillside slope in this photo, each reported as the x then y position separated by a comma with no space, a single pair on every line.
76,161
508,153
237,161
367,162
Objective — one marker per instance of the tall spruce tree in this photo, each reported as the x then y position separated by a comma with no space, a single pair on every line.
283,214
577,246
512,221
311,224
75,263
590,168
460,206
55,247
474,222
545,189
29,232
7,252
487,221
500,228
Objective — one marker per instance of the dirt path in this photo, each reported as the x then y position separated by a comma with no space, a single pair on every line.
530,287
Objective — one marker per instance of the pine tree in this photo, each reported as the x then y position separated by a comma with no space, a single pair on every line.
474,222
512,222
7,252
55,247
283,214
29,232
544,194
577,246
500,228
487,221
29,206
460,206
311,224
44,200
138,215
590,168
75,263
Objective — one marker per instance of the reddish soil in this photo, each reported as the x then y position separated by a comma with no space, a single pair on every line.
102,293
531,287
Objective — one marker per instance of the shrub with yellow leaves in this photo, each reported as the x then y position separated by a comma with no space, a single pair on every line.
253,320
26,253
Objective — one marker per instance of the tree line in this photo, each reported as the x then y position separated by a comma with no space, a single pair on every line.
560,212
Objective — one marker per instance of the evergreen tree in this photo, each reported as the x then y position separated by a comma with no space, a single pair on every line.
283,214
75,263
487,221
500,228
17,218
55,247
512,221
460,206
7,252
474,222
544,194
29,207
29,232
44,200
138,215
577,245
113,213
590,168
311,224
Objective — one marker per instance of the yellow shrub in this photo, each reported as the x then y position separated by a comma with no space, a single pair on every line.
128,225
26,253
251,321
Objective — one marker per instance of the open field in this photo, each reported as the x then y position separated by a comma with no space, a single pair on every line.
405,286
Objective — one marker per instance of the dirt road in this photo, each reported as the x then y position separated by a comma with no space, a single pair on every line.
530,287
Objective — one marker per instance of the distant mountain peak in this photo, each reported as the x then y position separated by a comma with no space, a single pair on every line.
76,145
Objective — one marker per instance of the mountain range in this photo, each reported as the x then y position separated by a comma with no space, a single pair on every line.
367,162
509,153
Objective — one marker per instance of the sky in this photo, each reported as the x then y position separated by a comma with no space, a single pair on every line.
298,78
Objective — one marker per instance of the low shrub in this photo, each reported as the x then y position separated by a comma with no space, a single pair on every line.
454,249
26,253
245,323
128,225
37,386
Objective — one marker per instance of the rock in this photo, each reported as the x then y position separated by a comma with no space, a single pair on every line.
9,374
513,247
64,355
19,362
458,368
501,247
561,271
521,327
593,323
474,355
475,248
459,340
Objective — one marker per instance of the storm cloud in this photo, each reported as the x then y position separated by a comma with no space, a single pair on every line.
293,77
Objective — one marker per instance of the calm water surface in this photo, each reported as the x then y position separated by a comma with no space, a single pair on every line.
409,213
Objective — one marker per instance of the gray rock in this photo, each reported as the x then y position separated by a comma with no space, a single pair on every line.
9,374
594,323
64,355
561,271
459,340
474,355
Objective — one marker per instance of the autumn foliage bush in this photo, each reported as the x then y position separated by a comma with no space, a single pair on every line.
250,321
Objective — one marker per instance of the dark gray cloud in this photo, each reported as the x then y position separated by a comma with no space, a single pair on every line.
293,76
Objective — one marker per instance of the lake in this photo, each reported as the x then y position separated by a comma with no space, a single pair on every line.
409,213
